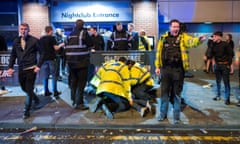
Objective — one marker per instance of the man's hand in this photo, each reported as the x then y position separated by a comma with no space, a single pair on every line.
36,69
158,71
131,102
10,71
202,38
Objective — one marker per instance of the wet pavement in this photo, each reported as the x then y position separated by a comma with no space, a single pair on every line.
199,112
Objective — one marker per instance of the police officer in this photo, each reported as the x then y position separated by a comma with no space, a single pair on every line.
172,58
113,91
78,59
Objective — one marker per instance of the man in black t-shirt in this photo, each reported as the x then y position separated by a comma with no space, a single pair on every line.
49,46
222,53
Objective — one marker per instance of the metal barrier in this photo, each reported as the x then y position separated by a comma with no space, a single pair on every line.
97,58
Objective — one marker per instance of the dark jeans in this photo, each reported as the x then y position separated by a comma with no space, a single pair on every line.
115,103
140,92
27,79
171,88
222,72
78,79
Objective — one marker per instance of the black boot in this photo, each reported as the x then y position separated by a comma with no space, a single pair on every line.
107,112
26,113
95,105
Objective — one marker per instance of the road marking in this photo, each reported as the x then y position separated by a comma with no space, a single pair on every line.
131,137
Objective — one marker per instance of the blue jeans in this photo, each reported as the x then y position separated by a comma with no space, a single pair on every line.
222,72
171,88
49,68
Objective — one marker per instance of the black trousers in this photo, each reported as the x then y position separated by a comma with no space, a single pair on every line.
78,80
171,88
27,79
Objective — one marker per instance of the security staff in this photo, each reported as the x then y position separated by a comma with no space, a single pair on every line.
141,83
113,91
119,39
77,53
172,58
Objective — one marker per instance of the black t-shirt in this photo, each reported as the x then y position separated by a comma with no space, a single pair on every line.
47,47
98,42
222,52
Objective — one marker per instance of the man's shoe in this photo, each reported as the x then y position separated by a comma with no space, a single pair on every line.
177,121
107,112
161,118
93,107
26,114
57,93
217,98
143,111
47,93
227,102
83,107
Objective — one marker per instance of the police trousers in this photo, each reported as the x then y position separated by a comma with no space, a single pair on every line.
171,88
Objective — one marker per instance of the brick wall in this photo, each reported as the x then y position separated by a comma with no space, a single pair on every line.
37,17
145,17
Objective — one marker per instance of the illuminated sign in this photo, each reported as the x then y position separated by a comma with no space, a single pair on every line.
91,11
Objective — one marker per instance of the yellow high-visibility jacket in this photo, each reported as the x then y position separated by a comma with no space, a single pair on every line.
186,42
114,78
139,75
141,46
95,81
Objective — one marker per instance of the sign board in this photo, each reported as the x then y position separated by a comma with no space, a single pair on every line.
96,11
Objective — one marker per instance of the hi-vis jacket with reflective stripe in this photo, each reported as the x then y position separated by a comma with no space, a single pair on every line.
186,42
144,44
77,50
95,81
140,75
114,78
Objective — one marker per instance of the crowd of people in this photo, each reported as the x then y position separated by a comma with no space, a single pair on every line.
122,83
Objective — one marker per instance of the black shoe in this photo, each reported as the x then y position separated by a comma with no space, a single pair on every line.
93,107
217,98
81,107
26,114
107,112
57,93
161,118
47,93
227,102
